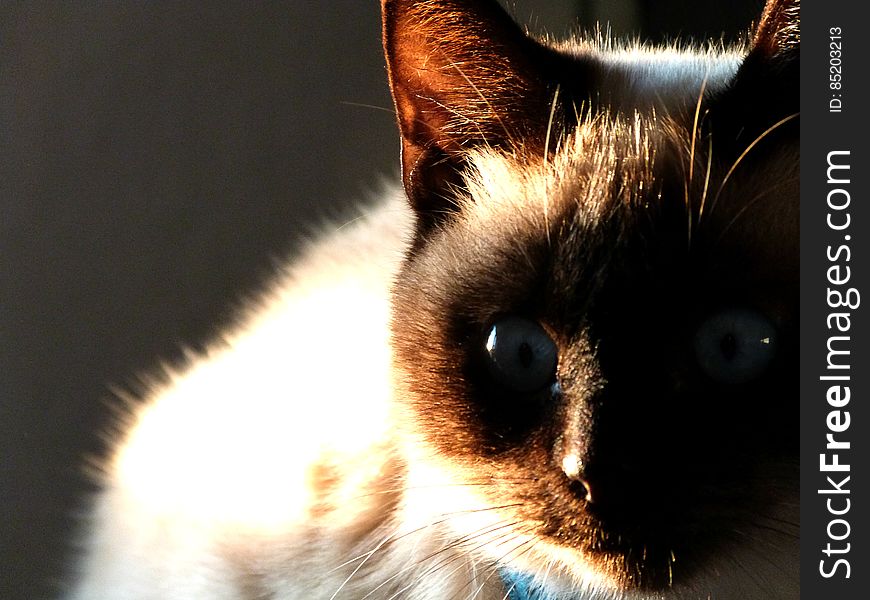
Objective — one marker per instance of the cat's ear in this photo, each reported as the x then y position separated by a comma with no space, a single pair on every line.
778,35
462,74
767,85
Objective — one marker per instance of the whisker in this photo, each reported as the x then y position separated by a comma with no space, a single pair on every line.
488,104
783,521
473,549
360,565
492,483
432,569
543,579
507,593
447,516
450,559
695,131
773,529
501,560
752,202
765,556
364,215
750,573
546,160
706,178
743,154
390,110
688,181
461,116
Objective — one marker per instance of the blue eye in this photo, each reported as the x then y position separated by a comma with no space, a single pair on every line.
735,346
522,357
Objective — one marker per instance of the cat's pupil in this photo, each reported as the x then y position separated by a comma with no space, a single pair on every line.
520,355
728,345
735,345
526,355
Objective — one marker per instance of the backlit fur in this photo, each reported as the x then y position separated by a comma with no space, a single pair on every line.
344,441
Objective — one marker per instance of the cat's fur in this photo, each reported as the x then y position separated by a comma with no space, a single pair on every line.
348,440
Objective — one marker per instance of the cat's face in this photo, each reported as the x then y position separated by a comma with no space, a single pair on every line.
596,329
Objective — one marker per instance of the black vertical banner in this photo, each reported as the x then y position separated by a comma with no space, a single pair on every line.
835,357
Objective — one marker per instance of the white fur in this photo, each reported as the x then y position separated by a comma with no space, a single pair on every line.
217,491
273,466
218,462
639,77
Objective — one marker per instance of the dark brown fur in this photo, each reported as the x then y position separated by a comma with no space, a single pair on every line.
620,274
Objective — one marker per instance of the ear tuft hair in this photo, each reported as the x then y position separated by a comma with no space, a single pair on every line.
463,74
779,28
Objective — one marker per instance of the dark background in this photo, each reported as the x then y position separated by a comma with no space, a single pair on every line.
155,160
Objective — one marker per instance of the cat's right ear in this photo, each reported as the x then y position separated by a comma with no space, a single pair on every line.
766,88
462,75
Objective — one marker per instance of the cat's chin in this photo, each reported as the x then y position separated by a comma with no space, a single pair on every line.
507,547
559,573
757,564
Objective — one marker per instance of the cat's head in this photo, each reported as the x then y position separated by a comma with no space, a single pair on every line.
595,329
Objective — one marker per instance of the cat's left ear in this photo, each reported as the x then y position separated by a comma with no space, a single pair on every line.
778,33
463,74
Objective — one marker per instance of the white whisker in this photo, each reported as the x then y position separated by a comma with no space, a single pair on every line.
546,160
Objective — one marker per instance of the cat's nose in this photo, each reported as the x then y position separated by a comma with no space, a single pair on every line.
608,486
572,466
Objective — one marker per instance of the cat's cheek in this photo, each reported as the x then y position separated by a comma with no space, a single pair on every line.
466,506
456,511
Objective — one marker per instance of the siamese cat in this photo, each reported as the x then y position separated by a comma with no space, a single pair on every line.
559,364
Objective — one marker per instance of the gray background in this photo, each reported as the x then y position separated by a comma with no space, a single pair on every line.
155,159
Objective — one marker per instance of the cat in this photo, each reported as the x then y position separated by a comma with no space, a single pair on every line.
559,364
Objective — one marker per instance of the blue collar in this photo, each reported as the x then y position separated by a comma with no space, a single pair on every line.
520,586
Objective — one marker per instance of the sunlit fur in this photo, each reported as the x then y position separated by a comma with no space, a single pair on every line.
324,449
640,77
263,470
602,169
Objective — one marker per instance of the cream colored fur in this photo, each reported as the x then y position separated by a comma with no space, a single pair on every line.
271,467
279,464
